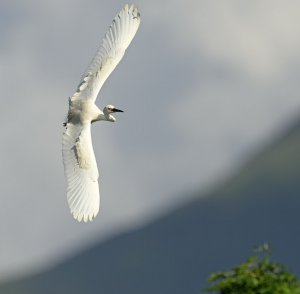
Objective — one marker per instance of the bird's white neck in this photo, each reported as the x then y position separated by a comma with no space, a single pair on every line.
109,117
104,116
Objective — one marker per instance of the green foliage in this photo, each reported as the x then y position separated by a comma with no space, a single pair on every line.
258,275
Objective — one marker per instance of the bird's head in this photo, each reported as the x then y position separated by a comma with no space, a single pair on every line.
108,110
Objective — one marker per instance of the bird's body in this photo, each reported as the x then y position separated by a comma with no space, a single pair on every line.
80,165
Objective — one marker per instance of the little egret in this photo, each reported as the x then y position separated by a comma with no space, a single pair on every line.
80,165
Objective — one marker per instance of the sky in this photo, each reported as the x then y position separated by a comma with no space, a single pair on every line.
204,85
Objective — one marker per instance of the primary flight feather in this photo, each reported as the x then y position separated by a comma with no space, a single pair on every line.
80,164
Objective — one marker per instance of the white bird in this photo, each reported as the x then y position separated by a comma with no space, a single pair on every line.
80,164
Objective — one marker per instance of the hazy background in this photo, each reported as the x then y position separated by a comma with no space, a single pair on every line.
204,85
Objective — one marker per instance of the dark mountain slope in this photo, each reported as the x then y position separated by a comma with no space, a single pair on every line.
176,253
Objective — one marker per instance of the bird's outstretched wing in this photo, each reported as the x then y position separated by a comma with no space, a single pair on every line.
116,40
81,172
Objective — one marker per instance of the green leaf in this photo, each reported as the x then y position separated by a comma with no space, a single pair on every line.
257,275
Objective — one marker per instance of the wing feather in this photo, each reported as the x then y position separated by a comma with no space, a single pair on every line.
81,172
116,40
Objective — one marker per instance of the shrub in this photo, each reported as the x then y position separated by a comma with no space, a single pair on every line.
258,275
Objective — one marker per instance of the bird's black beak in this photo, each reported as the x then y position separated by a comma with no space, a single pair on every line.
117,110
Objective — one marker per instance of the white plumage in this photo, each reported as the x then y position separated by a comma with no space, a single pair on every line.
80,165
